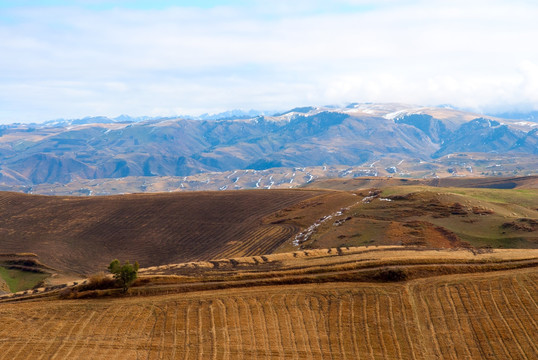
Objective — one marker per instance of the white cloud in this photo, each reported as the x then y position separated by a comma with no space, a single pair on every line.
72,62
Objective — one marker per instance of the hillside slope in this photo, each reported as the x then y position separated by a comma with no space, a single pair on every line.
83,235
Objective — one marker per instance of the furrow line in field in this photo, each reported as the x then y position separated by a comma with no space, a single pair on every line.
341,340
393,329
447,345
405,324
248,318
95,324
314,331
163,332
287,230
302,329
200,332
327,323
475,317
174,331
456,319
366,327
521,326
240,237
103,338
262,320
249,241
276,326
186,337
224,328
118,336
254,240
54,340
238,328
140,330
486,314
528,307
73,342
409,290
378,321
31,338
134,320
533,285
271,240
466,317
291,334
352,327
500,316
320,324
213,331
151,336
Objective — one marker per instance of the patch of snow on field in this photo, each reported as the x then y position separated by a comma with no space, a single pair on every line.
271,183
304,235
230,175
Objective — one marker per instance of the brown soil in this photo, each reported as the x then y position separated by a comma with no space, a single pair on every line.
422,233
83,234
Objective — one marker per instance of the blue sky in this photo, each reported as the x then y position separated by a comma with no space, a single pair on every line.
69,59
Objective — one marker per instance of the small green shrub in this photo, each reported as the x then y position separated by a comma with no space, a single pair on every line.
124,274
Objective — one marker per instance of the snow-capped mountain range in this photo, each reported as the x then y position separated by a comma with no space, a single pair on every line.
92,148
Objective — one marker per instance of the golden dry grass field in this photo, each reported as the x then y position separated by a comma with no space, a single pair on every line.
491,313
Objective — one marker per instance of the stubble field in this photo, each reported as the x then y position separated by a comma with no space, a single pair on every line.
466,316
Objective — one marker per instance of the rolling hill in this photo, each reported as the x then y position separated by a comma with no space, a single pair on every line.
82,235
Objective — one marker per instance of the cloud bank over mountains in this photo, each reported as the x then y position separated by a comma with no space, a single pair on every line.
87,58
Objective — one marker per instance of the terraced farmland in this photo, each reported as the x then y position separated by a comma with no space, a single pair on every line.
471,316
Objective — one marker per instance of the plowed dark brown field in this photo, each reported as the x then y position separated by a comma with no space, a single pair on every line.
83,234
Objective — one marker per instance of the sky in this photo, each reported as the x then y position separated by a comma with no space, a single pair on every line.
78,58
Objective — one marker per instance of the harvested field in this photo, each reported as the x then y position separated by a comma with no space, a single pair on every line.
83,234
486,316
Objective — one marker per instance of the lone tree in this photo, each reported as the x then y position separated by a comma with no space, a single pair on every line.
124,274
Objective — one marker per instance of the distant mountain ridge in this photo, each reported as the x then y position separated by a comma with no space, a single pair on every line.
93,148
227,115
